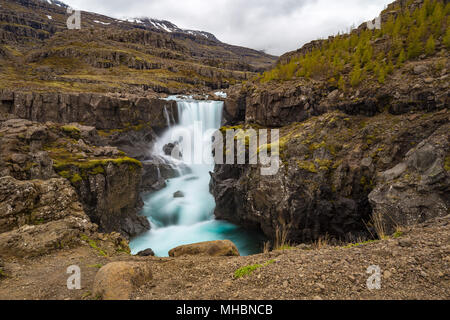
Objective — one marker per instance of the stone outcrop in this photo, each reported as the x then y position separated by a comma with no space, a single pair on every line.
235,105
118,280
418,188
37,217
21,150
36,202
157,171
112,198
146,253
329,165
136,143
107,183
279,105
223,248
100,111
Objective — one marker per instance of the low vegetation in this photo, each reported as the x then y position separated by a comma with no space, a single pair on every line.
93,245
247,270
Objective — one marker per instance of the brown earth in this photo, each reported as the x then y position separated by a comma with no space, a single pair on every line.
414,265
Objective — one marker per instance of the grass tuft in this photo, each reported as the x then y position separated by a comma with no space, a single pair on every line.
247,270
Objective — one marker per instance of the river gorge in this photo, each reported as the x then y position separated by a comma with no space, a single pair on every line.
183,211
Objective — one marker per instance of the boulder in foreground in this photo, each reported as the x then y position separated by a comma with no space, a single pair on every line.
220,248
117,280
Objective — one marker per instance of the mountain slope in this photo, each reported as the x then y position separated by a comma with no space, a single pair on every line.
38,52
410,30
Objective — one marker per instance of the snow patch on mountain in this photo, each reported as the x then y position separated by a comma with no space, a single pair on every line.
56,2
167,26
101,22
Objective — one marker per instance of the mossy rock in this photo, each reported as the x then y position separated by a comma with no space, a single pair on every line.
307,166
76,171
71,131
447,164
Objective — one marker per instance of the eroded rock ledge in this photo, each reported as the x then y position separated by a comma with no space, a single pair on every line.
416,87
106,181
103,112
332,165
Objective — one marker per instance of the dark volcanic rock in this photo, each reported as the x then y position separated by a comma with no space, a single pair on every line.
135,143
283,103
178,194
328,167
99,111
157,171
235,105
418,188
112,199
146,253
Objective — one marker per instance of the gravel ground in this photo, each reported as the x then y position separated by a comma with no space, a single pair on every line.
413,266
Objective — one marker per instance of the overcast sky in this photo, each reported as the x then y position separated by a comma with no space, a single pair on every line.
276,26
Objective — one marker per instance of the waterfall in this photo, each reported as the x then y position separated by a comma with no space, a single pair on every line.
183,212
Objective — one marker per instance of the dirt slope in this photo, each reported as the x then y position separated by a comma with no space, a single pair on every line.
414,266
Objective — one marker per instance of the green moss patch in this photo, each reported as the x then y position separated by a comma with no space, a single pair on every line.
447,164
93,245
307,166
71,131
247,270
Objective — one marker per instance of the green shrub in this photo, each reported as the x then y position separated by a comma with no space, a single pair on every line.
355,76
430,46
76,178
447,38
414,46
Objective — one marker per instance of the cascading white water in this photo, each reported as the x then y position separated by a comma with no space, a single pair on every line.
183,212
